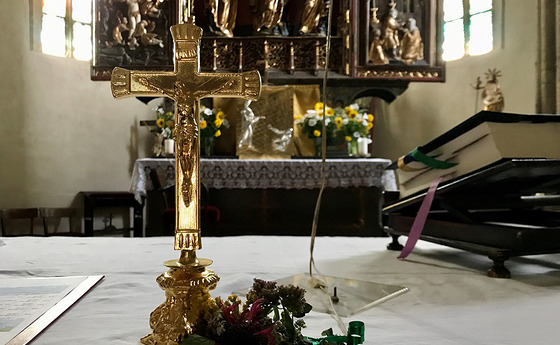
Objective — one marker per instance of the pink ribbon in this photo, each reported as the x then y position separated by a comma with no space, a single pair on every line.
420,220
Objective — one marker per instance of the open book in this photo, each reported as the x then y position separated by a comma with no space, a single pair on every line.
482,140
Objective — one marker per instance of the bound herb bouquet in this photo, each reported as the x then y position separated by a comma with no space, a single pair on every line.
271,315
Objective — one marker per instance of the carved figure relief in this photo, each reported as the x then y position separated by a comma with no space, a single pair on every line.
311,15
291,37
132,32
224,14
411,48
376,53
394,38
267,16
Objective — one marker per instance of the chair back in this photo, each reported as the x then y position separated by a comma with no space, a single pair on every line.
167,194
52,218
209,214
8,217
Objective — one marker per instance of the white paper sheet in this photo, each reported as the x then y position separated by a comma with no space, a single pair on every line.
25,300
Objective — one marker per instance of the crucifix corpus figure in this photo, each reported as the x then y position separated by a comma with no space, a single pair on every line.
187,278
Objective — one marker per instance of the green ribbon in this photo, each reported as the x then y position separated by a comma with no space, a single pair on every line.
355,336
430,161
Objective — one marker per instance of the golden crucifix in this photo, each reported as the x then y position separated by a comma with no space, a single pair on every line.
186,85
187,278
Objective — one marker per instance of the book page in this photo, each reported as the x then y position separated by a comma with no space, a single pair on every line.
25,300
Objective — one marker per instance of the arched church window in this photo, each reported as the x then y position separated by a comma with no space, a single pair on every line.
66,28
467,28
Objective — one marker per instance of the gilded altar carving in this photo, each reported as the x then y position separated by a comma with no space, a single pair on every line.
427,75
224,15
394,38
313,12
132,32
267,16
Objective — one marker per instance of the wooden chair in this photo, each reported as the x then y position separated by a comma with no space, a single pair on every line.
210,215
8,218
167,200
52,218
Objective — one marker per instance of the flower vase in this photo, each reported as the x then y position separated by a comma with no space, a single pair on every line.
318,142
208,146
353,148
169,147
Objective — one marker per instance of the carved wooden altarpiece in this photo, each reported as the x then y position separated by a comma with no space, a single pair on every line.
284,55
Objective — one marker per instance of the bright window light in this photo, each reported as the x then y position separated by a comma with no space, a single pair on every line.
82,42
66,28
81,11
452,9
476,15
54,7
53,36
454,40
481,40
477,6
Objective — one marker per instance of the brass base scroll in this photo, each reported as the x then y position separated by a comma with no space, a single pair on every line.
186,285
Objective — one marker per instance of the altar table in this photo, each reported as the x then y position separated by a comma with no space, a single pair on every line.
451,301
278,196
269,174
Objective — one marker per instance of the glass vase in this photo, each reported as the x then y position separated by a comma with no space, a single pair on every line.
208,146
353,148
318,144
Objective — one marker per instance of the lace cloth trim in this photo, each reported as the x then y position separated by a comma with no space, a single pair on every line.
265,174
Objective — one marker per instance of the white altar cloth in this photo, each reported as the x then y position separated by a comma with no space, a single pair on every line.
451,301
270,173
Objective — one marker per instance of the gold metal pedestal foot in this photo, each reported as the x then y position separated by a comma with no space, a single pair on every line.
186,285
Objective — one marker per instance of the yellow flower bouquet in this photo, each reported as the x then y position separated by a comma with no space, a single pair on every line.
212,123
342,124
165,122
353,123
311,124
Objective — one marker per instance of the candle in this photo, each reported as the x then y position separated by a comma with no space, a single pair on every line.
363,146
169,146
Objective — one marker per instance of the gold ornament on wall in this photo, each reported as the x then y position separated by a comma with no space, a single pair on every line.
492,97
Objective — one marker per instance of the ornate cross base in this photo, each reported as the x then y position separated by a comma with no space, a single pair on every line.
186,285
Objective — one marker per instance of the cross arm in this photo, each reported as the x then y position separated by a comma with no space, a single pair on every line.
126,83
244,85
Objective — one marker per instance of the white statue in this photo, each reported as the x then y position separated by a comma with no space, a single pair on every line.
157,149
248,122
283,138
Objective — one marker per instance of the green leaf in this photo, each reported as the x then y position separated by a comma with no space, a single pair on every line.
306,309
276,313
288,322
197,340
